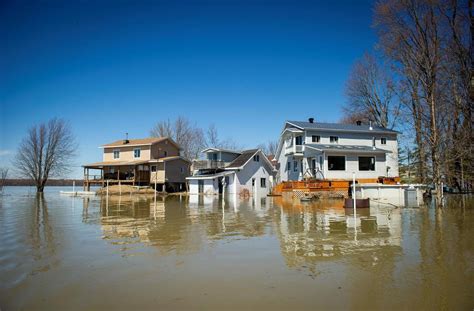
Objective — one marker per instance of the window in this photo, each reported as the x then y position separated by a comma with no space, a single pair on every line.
263,182
256,158
299,140
136,153
165,153
288,167
336,163
383,141
182,170
366,163
116,154
295,166
315,138
334,139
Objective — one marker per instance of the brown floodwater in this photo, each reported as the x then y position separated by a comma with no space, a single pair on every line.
61,253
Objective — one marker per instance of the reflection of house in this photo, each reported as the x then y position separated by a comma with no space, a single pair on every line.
310,235
334,151
140,162
248,173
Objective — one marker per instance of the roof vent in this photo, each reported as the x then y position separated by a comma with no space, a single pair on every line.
126,141
311,120
359,122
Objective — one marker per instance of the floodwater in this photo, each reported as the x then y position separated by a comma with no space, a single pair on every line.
60,253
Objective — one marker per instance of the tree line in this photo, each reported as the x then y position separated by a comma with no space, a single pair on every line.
418,79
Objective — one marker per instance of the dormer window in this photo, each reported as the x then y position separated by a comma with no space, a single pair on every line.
136,152
333,139
383,141
116,154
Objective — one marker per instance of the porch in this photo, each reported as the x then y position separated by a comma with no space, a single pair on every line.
114,173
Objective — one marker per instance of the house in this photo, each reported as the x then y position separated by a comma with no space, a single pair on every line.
214,158
148,161
246,173
333,151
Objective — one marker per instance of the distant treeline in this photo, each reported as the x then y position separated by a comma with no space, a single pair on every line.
51,182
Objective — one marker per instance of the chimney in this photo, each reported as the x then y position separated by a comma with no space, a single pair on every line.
359,122
126,141
311,120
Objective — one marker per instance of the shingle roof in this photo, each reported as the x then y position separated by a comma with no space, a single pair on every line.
340,127
142,141
354,148
242,159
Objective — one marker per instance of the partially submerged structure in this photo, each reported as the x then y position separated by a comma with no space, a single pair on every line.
333,151
322,157
140,162
246,173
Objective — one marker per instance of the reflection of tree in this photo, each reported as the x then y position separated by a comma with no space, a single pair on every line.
42,239
445,252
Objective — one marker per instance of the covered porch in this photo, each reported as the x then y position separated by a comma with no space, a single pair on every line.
116,172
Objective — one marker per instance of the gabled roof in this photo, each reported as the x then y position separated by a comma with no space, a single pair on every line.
220,150
139,142
339,127
242,159
346,148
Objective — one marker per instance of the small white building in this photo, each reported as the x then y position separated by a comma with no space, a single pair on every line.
334,151
249,173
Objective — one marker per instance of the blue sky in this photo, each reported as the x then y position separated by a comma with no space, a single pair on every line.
110,67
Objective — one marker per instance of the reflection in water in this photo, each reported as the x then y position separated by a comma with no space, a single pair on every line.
55,251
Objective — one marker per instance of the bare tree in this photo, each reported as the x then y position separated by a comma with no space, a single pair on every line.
186,134
370,92
46,152
269,148
213,140
3,177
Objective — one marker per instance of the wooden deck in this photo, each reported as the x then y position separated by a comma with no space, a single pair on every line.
341,187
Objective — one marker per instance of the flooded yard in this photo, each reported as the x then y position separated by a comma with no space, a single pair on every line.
130,252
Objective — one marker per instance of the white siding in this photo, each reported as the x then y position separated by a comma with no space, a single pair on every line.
383,161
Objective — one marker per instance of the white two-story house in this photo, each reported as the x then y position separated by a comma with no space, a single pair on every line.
334,151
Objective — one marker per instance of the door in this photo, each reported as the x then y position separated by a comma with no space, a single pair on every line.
313,167
253,187
219,185
200,186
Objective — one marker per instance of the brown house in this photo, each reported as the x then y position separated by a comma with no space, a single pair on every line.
140,162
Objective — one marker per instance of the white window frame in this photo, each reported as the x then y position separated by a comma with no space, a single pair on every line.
256,158
317,140
336,141
139,153
383,140
264,182
375,163
118,152
295,166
